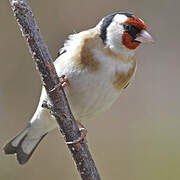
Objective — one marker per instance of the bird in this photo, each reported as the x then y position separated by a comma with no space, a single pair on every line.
95,66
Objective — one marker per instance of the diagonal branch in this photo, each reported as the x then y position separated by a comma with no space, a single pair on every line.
60,107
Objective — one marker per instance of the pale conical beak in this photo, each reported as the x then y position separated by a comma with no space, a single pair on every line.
144,37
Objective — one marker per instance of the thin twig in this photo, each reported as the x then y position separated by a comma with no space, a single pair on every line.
60,107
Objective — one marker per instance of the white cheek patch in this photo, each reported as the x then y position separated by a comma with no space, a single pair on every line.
120,18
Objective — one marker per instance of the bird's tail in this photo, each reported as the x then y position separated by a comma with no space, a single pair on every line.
22,145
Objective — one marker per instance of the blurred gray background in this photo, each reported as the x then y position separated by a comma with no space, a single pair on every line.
139,137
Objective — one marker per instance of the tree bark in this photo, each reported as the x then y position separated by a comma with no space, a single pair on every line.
59,104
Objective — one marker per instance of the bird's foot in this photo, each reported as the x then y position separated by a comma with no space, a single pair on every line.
64,81
83,132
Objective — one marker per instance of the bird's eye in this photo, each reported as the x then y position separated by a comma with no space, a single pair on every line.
132,30
127,27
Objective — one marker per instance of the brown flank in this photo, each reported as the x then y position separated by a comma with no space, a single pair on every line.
122,79
85,59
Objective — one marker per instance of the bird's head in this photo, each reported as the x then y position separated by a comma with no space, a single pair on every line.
123,32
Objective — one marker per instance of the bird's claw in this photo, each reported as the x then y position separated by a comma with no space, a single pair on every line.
83,132
64,81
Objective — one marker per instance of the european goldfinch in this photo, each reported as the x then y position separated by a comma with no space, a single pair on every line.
98,64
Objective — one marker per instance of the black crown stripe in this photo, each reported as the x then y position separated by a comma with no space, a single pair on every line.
107,21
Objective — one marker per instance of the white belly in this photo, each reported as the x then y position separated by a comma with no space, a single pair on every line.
90,94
